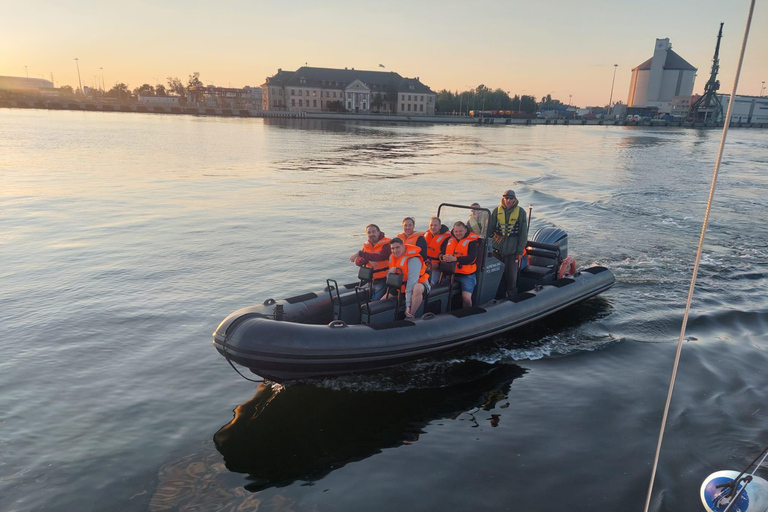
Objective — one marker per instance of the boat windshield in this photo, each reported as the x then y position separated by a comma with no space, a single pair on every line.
475,217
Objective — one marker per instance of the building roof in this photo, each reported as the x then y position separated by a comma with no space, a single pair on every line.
20,82
673,61
377,81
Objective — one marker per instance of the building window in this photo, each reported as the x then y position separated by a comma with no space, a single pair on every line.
409,107
422,98
300,103
409,97
293,92
402,106
293,102
402,97
334,94
421,108
314,103
314,93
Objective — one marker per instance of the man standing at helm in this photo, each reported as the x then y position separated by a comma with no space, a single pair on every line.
510,234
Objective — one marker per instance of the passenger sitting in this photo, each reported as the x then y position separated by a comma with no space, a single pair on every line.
461,247
375,254
478,220
407,259
435,237
409,236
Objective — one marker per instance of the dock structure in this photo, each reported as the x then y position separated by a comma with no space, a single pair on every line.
89,106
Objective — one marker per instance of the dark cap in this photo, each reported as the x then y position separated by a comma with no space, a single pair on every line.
396,241
509,193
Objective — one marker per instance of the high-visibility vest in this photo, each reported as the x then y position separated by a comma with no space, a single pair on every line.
411,251
508,228
434,242
410,239
460,248
379,267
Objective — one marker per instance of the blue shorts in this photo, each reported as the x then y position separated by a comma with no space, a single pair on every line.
467,281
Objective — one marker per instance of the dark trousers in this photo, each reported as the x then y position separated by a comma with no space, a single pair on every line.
510,275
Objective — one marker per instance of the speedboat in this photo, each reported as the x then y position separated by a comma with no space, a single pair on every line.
338,330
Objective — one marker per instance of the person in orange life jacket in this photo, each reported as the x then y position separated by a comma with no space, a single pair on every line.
406,258
375,254
435,237
461,247
409,236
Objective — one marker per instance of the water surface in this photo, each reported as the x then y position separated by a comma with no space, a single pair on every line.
126,238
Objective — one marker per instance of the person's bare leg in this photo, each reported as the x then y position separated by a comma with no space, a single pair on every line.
466,299
416,297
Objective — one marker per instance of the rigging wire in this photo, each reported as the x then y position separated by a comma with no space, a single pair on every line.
726,123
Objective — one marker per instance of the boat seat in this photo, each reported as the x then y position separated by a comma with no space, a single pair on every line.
378,306
439,289
535,272
387,309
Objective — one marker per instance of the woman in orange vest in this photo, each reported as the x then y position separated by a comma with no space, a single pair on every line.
375,254
435,237
461,247
409,236
406,258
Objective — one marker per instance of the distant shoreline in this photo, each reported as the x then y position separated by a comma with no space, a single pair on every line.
373,117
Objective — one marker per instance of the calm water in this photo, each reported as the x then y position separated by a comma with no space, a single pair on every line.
126,238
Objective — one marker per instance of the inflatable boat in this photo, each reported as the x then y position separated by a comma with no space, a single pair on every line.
338,330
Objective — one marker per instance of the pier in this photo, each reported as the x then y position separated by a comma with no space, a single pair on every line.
91,106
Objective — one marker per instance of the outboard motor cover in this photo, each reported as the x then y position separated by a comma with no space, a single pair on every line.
552,235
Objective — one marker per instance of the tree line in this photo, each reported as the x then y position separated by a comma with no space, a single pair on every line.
483,98
122,92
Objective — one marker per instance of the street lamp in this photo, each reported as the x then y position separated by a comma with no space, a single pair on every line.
102,79
612,82
762,88
77,63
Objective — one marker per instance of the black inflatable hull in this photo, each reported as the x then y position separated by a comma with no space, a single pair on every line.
286,350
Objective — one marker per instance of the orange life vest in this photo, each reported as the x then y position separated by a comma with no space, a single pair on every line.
379,267
460,248
411,239
411,251
434,242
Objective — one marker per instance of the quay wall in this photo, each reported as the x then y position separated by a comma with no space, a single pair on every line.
59,104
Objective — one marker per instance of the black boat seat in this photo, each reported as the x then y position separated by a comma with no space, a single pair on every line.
351,298
439,289
378,306
535,272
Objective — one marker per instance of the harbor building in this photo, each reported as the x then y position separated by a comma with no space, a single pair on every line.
746,109
658,81
23,84
310,89
210,96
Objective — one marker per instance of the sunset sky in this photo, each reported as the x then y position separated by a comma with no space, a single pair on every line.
557,46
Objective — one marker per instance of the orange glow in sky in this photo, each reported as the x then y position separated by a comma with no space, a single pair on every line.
558,47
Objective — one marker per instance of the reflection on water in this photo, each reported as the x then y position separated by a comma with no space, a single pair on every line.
304,432
131,236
